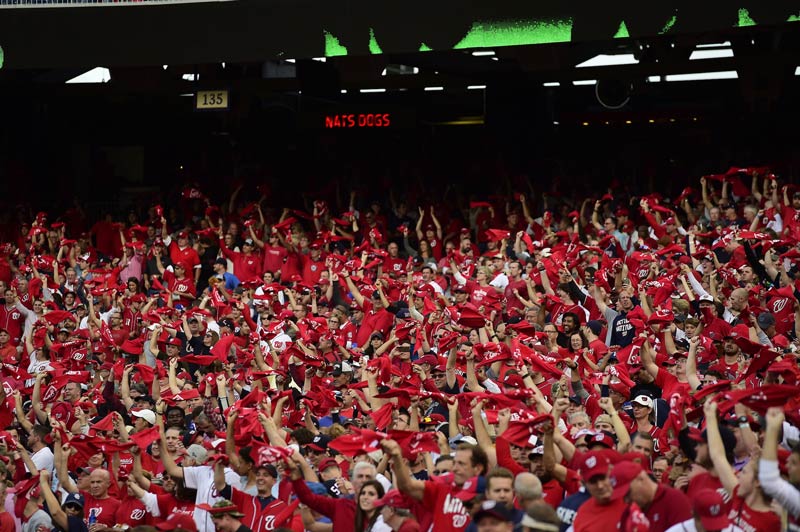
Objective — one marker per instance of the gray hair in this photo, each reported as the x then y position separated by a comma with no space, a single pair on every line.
528,486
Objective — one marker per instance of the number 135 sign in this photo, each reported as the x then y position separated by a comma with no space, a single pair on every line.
212,100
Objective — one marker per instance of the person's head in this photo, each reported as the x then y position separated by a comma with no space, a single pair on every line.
172,438
266,477
603,423
370,491
394,508
362,472
570,322
468,461
493,516
444,464
577,342
204,425
793,466
73,505
226,516
748,480
528,489
642,407
37,437
625,301
99,482
500,486
515,269
401,420
631,479
72,392
594,468
709,509
642,442
579,421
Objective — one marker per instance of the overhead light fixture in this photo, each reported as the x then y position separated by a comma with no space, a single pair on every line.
717,53
603,60
190,77
475,87
290,61
797,71
714,45
95,75
703,76
365,91
551,84
432,89
483,53
654,79
319,59
584,82
343,91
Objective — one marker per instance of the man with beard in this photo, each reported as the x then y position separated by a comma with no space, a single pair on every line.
259,510
728,363
570,323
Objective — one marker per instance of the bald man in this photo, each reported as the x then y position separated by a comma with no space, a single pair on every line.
96,499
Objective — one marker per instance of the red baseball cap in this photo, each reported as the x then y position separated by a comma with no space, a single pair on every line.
711,509
621,477
593,464
328,462
601,438
175,521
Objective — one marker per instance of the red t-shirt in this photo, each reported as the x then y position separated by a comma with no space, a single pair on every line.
593,517
671,388
394,266
750,520
449,514
274,257
131,512
312,269
104,509
783,310
381,321
187,255
168,504
409,525
669,507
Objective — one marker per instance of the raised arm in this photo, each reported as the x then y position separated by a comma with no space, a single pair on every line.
170,466
691,363
402,476
53,506
716,449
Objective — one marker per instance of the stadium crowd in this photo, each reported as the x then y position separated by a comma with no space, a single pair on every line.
615,362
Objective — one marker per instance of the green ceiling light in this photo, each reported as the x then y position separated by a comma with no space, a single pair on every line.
745,19
513,33
333,47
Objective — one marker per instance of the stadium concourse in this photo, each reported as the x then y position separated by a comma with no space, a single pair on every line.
211,360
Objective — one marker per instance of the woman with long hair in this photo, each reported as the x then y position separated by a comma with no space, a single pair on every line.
750,506
358,514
